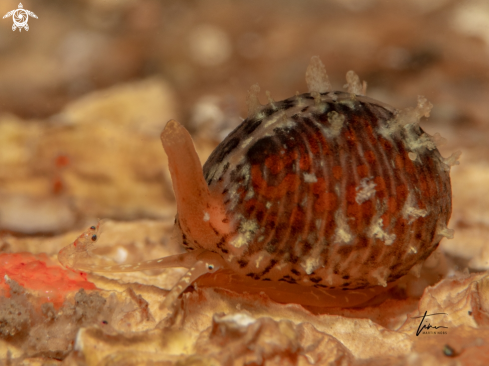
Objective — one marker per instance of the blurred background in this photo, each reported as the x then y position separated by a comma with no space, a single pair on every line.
86,91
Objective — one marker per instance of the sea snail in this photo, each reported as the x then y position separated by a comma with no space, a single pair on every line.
325,198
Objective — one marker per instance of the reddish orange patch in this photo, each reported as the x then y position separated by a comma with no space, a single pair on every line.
290,158
367,208
370,156
380,187
370,134
319,187
297,218
362,171
409,166
423,184
337,172
351,194
402,192
62,161
313,145
289,184
304,161
392,204
379,184
353,211
35,273
274,163
399,162
326,202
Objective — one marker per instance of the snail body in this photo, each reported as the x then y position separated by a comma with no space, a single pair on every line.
329,193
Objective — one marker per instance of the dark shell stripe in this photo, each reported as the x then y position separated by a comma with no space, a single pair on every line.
316,195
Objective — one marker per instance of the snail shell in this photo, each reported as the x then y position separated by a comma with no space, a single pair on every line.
325,190
329,192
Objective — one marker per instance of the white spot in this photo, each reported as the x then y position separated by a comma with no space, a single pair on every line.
270,99
342,233
209,45
412,156
366,190
160,260
258,260
410,209
310,178
316,77
121,255
268,205
246,142
348,102
206,216
354,85
379,276
446,232
237,319
317,98
376,231
407,119
249,194
246,173
451,160
273,119
333,96
287,123
423,141
252,100
336,121
247,231
310,264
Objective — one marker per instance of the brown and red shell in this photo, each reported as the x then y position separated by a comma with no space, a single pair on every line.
331,190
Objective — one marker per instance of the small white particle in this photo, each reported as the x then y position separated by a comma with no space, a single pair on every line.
376,231
310,178
365,191
206,216
237,320
258,260
121,255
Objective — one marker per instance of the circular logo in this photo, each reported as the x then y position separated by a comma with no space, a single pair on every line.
20,18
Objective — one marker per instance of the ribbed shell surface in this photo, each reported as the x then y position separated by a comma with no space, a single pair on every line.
326,190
